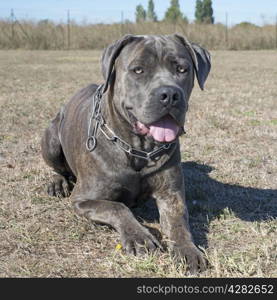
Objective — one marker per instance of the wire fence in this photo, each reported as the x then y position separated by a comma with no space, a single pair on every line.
68,34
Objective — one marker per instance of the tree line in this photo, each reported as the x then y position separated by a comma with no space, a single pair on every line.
203,12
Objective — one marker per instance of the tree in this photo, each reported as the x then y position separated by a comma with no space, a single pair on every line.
208,17
199,11
204,12
151,15
140,14
173,13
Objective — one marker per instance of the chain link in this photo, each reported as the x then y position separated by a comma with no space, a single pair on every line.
128,148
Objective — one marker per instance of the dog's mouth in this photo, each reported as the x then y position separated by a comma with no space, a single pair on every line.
165,129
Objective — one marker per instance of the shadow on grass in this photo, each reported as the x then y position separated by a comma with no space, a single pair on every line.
208,199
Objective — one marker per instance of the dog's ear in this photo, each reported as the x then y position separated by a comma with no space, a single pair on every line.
201,59
110,55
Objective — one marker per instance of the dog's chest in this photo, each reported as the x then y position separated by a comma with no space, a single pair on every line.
126,188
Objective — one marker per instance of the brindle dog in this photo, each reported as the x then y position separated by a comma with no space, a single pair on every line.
120,141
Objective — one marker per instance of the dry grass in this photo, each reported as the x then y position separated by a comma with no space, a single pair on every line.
230,169
48,35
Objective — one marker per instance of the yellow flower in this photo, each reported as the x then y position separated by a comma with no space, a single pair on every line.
118,247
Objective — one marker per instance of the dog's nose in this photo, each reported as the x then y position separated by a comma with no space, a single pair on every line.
169,95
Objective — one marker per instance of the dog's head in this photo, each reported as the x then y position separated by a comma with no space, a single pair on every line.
151,79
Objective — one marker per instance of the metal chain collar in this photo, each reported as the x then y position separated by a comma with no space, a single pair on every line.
101,125
96,115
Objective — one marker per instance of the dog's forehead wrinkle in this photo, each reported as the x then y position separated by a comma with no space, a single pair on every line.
159,48
160,45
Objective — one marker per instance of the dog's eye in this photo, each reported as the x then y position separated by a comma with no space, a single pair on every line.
138,70
181,69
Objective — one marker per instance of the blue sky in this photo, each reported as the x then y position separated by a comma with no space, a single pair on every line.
93,11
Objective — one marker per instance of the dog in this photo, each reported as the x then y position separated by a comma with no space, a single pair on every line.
119,141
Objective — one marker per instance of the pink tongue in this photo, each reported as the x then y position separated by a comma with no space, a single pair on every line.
164,130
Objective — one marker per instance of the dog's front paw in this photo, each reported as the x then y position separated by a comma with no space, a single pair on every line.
59,187
138,241
192,256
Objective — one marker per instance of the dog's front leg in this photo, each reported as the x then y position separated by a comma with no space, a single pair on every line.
135,238
170,197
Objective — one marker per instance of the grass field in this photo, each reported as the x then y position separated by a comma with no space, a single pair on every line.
229,159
